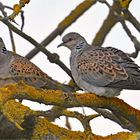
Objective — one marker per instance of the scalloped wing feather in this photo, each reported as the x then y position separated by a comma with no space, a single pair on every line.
108,67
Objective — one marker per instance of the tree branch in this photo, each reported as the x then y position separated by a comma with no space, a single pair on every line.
64,24
116,118
20,116
107,25
65,100
128,16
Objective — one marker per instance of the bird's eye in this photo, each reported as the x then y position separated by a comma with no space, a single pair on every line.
70,39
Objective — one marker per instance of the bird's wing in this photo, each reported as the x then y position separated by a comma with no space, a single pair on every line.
22,69
108,67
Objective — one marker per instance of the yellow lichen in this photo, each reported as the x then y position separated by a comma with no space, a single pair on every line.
45,128
71,83
16,9
15,112
78,11
124,3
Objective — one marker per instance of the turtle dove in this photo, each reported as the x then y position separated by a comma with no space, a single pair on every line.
103,71
14,68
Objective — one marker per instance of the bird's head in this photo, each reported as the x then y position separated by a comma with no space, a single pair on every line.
73,41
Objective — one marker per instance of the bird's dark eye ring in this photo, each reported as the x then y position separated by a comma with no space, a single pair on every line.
70,39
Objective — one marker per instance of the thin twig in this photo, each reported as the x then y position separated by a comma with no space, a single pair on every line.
74,114
12,41
10,32
8,7
68,125
128,16
22,19
82,118
132,37
22,16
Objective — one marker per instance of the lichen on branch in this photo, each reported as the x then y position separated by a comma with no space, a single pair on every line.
18,114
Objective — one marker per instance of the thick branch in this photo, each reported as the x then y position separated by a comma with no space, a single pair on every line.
55,132
32,126
65,100
116,118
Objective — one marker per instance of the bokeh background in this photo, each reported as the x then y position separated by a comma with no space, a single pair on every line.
42,17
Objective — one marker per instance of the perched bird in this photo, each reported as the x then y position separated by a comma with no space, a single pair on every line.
14,68
103,71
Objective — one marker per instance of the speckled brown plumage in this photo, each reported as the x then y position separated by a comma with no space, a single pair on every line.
14,68
22,67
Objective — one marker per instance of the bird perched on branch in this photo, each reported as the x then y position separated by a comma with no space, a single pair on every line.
14,68
103,71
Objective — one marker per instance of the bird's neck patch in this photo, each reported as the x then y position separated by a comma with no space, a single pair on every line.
4,51
80,45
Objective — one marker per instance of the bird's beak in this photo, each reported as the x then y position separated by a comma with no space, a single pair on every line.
62,44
